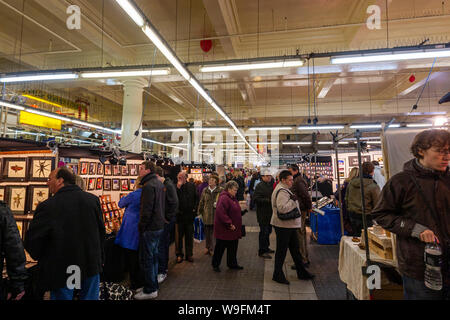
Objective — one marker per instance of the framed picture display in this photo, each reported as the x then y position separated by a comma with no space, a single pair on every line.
36,195
132,184
124,185
132,170
16,198
114,206
109,207
115,184
99,184
86,181
73,167
108,198
107,184
124,170
20,227
2,194
84,168
100,169
15,169
104,208
107,170
116,170
40,168
91,184
92,168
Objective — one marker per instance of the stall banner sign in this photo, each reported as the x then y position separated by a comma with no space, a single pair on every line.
39,121
196,171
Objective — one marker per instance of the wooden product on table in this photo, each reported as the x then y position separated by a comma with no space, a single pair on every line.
380,243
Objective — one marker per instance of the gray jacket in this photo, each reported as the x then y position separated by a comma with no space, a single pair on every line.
283,203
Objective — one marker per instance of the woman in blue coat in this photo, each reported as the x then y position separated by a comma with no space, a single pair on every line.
128,235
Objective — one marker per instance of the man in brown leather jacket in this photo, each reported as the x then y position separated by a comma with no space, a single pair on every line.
409,211
300,189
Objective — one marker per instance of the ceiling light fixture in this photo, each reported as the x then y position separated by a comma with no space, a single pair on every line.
40,77
132,12
11,105
325,142
131,73
270,128
365,126
165,130
419,125
252,66
392,56
324,127
163,144
208,129
440,121
296,142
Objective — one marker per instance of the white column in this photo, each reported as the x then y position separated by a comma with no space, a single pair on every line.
132,113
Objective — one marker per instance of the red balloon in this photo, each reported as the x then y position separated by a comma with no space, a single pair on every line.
206,45
412,78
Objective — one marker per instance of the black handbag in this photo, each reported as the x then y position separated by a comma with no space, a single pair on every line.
243,232
293,214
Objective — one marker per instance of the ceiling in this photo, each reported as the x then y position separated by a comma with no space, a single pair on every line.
34,36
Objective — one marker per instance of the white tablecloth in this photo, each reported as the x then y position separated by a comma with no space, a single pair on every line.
351,261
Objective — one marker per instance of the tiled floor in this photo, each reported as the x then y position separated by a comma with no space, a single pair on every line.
197,281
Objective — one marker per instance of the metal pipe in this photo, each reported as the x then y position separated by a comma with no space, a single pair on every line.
339,184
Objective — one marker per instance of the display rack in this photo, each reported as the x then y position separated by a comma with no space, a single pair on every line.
112,214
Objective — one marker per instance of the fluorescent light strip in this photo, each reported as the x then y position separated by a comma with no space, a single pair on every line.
42,77
325,127
208,129
253,66
118,74
11,105
163,144
165,130
132,12
390,56
325,142
270,128
419,125
296,143
365,126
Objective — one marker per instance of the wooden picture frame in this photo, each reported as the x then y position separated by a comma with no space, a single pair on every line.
15,169
115,170
40,168
108,198
100,169
84,168
92,168
124,170
36,195
17,199
107,170
2,193
132,184
74,167
107,184
132,170
91,185
99,184
124,185
115,186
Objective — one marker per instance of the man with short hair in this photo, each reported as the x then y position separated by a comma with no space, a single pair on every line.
151,226
300,190
171,206
187,210
66,237
262,197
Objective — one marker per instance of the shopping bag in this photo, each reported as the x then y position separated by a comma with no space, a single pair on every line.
199,234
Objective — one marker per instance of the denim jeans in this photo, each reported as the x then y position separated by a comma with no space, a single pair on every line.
416,290
163,248
90,289
264,234
148,257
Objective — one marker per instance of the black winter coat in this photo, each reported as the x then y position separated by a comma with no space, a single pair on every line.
240,193
11,249
171,200
67,229
153,203
263,200
187,203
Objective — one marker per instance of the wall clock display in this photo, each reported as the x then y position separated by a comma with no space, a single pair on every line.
40,168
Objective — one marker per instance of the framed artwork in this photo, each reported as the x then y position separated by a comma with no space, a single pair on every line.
115,184
91,184
15,169
132,184
107,184
85,182
16,196
108,198
92,168
99,184
36,195
73,167
116,170
40,168
132,170
114,206
2,194
124,170
84,168
108,206
124,185
107,170
104,208
100,169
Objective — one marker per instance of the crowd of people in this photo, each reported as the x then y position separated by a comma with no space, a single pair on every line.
67,233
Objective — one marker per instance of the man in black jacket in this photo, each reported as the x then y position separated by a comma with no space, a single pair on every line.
151,227
11,249
187,210
263,200
66,238
171,199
